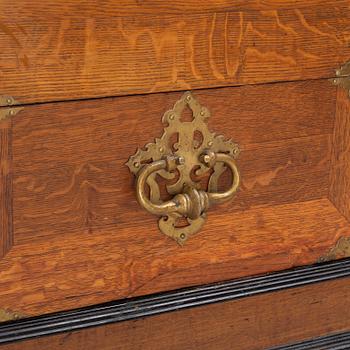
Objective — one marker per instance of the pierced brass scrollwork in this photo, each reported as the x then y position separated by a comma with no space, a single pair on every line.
177,162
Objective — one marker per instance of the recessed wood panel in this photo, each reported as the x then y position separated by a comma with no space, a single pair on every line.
81,238
258,322
69,159
65,51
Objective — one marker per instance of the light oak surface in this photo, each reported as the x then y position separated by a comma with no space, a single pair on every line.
94,78
72,50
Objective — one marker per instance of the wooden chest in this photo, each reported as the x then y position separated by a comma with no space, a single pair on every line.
160,156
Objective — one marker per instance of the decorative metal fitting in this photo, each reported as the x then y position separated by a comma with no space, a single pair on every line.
343,77
9,112
181,161
7,101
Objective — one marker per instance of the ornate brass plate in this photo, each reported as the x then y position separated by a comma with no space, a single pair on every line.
177,161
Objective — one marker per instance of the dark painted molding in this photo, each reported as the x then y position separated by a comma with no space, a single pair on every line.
340,341
129,309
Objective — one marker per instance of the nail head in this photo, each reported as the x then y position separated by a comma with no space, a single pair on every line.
181,160
206,158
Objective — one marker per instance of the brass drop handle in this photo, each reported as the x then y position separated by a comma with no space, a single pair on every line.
210,158
192,203
190,148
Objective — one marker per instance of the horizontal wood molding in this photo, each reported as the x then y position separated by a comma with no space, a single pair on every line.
159,7
339,192
6,234
322,301
54,51
338,341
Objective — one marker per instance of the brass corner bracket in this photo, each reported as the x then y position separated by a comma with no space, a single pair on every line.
7,101
185,151
343,77
341,250
6,315
9,112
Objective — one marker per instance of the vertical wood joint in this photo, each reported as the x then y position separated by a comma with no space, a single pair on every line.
339,179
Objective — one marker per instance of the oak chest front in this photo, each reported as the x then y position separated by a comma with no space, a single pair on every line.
153,150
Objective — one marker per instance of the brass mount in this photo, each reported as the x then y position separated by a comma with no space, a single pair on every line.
343,77
177,161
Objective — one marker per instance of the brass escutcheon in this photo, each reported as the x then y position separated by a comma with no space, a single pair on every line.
178,161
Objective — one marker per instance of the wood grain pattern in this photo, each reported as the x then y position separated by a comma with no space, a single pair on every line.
340,171
254,323
81,238
6,234
50,199
54,51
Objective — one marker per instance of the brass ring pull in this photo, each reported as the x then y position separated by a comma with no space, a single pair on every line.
192,203
190,148
210,158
